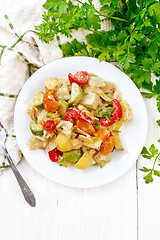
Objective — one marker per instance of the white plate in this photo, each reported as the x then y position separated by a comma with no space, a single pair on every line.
133,133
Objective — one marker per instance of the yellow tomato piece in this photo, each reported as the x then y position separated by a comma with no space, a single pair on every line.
102,133
107,145
85,161
49,102
86,127
63,143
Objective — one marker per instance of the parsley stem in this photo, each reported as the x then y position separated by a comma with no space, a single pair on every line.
115,18
155,161
104,15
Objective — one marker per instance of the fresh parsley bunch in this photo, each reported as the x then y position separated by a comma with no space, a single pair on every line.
64,16
152,153
134,43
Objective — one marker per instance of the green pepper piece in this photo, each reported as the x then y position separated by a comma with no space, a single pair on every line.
102,112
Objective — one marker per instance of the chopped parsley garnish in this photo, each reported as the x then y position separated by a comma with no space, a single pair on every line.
49,115
108,102
95,164
96,122
95,139
42,122
74,130
107,118
106,93
61,160
70,108
100,165
84,93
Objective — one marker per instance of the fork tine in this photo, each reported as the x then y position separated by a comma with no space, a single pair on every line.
1,126
2,135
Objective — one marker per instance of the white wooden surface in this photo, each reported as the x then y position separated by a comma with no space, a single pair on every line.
126,209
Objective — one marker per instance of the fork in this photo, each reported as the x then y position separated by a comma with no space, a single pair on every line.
27,193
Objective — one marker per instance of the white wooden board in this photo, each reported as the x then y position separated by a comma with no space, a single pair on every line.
62,213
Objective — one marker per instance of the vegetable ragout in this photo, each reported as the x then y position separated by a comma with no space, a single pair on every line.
77,120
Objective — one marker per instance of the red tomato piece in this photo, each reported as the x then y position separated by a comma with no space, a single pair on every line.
55,155
49,124
76,114
69,116
80,77
116,115
49,102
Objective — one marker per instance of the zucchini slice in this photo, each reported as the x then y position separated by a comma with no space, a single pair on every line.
63,105
72,156
76,94
36,129
38,100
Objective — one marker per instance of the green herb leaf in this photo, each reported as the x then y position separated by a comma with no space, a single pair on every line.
107,118
144,169
61,160
95,139
149,154
158,102
153,150
148,178
95,164
49,115
75,129
96,122
157,173
108,102
148,95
